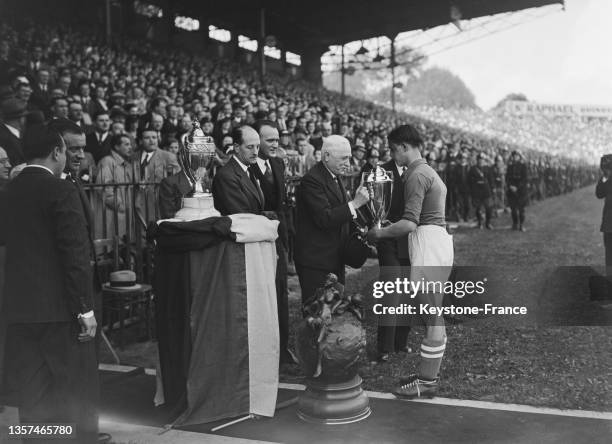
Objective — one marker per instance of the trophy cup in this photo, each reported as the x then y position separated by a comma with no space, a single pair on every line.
196,159
380,187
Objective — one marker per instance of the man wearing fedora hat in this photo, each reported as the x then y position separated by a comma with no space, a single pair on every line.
14,112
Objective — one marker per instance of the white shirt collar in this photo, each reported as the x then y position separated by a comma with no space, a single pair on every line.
400,169
328,170
146,155
244,167
33,165
263,164
13,130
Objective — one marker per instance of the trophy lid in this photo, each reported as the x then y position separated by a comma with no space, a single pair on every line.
196,142
378,175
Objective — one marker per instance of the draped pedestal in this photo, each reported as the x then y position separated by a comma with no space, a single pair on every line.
216,316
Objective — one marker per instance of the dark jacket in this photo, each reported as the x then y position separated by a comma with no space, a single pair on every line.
172,189
396,210
98,150
274,191
12,145
323,220
480,180
233,191
274,194
603,190
48,273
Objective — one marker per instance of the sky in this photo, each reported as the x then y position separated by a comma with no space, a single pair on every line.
563,57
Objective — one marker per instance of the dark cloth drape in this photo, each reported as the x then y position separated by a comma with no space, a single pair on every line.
200,290
187,236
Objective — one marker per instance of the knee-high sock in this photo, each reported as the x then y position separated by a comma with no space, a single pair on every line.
431,358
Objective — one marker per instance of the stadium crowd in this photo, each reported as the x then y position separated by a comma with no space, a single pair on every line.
120,113
575,138
135,98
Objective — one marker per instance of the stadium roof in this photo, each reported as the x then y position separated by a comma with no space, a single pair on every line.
303,24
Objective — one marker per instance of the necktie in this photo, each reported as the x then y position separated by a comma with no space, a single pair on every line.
268,174
339,189
253,177
143,166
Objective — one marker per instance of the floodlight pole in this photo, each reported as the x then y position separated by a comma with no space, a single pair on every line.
393,73
108,22
342,73
262,43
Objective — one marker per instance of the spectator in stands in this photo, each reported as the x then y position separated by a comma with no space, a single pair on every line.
75,114
305,155
13,112
117,128
156,124
5,168
479,179
151,165
285,141
131,127
98,142
117,167
98,104
157,106
63,84
499,183
371,163
59,108
41,90
357,158
516,184
461,188
172,145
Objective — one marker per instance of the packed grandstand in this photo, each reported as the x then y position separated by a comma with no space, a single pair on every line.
52,67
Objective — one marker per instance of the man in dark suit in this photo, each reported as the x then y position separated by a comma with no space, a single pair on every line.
271,176
516,186
41,91
74,138
172,189
392,257
235,187
323,217
603,190
52,371
13,123
98,142
480,180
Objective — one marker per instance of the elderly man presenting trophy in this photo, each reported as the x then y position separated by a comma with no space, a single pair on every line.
324,216
186,195
430,247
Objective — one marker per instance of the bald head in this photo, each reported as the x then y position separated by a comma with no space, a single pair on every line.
336,153
246,144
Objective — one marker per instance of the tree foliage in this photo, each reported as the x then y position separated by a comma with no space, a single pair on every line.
438,87
512,96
